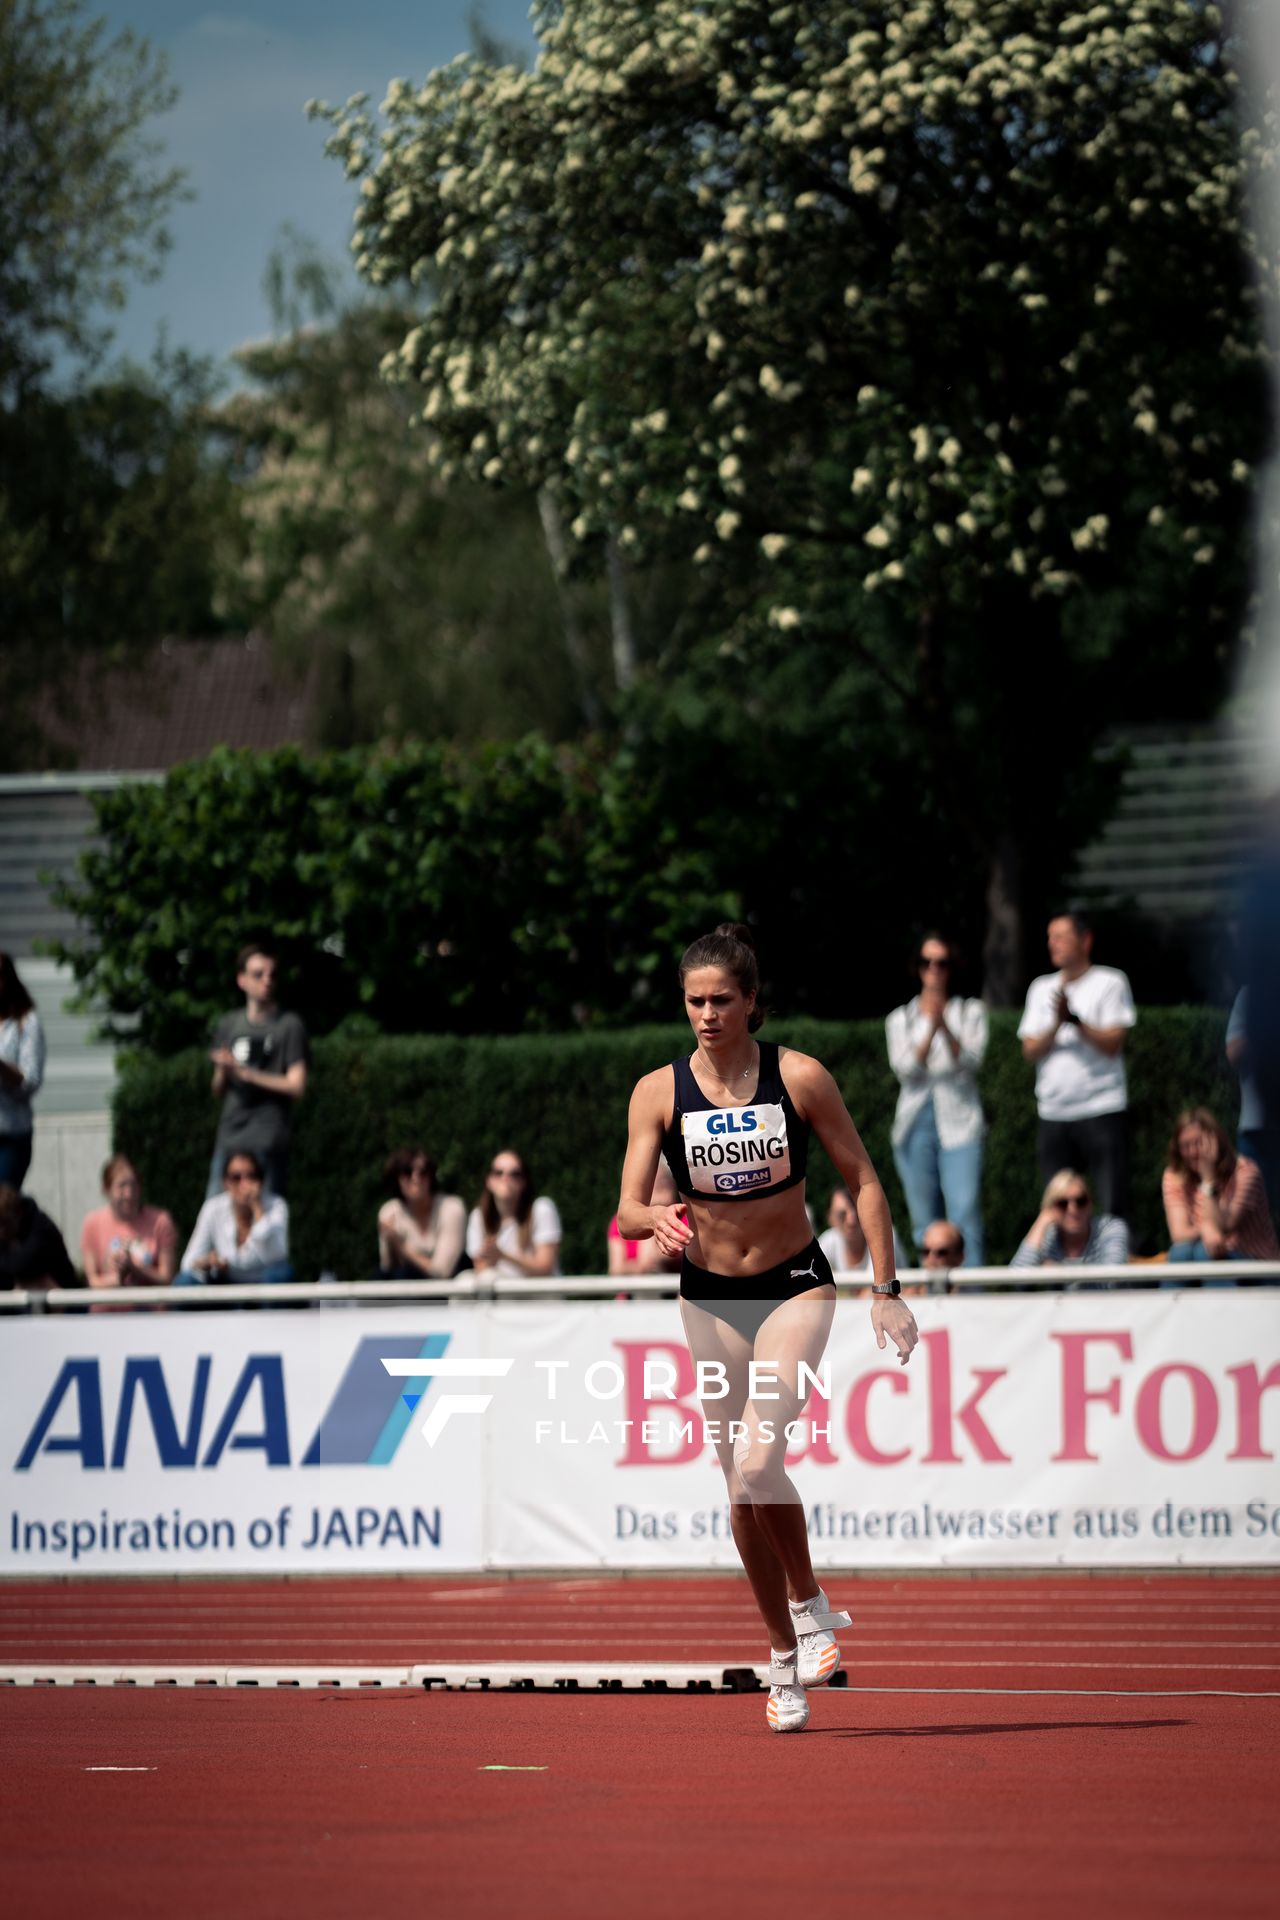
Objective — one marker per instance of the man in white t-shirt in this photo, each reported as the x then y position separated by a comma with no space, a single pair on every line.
1073,1029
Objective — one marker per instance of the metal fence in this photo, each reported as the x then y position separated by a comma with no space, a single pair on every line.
601,1286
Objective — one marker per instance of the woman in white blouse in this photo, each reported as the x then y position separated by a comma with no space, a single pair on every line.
936,1043
510,1233
420,1229
239,1236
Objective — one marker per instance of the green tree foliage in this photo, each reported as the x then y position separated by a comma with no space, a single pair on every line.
86,190
562,1101
516,887
109,495
928,326
432,610
435,608
110,499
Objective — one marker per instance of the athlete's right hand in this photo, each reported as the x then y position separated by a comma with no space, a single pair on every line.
671,1230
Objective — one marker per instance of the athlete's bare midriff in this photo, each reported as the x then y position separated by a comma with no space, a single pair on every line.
747,1236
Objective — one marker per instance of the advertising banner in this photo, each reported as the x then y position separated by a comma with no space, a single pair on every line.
1084,1429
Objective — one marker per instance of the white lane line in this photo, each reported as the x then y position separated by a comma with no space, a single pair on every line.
1094,1666
119,1769
971,1592
415,1617
917,1643
1081,1693
504,1650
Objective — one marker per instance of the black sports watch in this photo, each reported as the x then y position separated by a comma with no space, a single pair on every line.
891,1287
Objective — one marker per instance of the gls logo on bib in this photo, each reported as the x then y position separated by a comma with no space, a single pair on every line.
736,1149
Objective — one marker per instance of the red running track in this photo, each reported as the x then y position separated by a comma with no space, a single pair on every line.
1133,1633
1024,1744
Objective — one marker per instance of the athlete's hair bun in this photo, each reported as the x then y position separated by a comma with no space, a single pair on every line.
734,930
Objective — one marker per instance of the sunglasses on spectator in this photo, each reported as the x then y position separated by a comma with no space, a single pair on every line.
1071,1200
506,1173
941,1253
925,962
236,1178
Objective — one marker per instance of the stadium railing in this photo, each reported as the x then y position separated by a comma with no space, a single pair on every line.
470,1286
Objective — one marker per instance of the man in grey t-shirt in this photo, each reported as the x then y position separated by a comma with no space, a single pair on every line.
260,1057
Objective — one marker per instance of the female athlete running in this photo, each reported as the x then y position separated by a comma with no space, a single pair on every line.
733,1120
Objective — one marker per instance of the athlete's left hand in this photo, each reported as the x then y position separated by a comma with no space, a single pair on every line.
894,1317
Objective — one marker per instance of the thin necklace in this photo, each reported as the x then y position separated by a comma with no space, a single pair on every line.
746,1073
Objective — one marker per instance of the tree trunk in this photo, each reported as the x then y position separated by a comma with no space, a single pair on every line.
1002,946
624,640
574,638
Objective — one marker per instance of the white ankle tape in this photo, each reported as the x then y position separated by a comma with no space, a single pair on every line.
819,1620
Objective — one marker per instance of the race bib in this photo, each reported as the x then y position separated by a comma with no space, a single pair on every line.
736,1149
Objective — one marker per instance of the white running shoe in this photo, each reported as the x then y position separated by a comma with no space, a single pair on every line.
818,1655
787,1708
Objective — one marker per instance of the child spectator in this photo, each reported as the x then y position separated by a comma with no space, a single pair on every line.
125,1244
510,1233
420,1230
239,1236
1215,1201
1066,1231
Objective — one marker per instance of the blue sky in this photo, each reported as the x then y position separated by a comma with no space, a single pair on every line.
254,161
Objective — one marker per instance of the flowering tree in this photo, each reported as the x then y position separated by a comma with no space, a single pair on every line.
929,322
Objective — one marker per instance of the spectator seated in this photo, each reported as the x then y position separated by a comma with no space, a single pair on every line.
509,1232
127,1244
1215,1201
1067,1233
845,1246
941,1249
420,1229
239,1238
32,1251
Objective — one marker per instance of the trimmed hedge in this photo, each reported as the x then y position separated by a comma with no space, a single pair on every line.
562,1102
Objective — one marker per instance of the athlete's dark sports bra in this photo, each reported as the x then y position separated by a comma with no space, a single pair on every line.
736,1153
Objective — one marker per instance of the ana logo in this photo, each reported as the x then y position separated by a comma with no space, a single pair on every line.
370,1413
737,1182
196,1417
